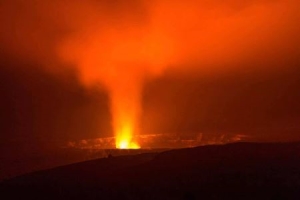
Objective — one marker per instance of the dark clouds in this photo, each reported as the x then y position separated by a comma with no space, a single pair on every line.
263,106
41,111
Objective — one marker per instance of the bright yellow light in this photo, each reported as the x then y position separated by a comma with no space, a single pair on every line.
124,139
126,145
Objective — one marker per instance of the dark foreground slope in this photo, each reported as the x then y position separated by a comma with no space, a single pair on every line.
238,171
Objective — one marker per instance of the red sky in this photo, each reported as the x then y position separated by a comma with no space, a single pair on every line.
197,66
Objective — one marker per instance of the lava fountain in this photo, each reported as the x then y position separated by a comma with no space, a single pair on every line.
125,107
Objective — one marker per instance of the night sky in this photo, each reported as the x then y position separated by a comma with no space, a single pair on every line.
221,66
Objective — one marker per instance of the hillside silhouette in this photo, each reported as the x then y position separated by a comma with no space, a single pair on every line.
238,171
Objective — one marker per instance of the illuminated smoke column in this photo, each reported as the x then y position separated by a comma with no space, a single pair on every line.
121,61
126,108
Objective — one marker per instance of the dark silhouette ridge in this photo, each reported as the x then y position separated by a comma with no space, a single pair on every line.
238,171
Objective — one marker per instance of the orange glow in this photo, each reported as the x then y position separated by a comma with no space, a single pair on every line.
125,108
127,60
158,141
121,50
124,139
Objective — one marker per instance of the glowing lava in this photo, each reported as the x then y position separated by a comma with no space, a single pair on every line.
124,139
125,100
126,144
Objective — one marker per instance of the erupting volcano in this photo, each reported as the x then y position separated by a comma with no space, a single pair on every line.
120,61
172,99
